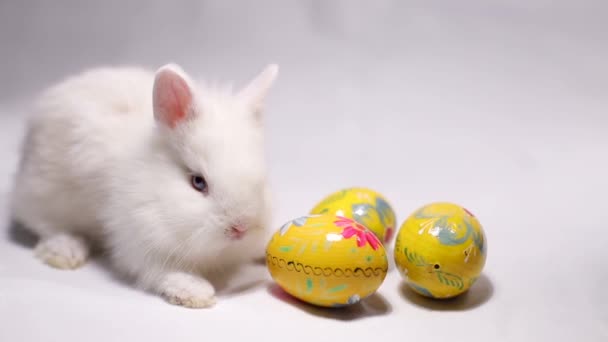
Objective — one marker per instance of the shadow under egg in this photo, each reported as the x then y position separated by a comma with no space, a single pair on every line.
373,305
480,293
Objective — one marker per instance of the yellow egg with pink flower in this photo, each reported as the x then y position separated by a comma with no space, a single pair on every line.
326,260
364,205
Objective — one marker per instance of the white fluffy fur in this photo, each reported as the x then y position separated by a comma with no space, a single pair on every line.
97,167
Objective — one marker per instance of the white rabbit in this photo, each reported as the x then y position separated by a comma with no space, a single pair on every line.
167,175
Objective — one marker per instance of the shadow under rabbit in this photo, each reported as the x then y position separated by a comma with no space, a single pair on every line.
18,235
228,282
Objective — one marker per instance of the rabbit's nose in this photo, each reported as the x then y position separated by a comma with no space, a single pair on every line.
240,227
237,231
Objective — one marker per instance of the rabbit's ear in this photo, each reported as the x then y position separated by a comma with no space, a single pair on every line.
172,96
255,92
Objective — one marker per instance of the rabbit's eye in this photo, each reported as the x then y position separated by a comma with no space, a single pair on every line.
199,183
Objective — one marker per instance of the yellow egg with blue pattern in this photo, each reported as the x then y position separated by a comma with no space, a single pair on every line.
326,260
363,205
440,250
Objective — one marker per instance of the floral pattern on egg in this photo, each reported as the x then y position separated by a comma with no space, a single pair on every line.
327,260
440,250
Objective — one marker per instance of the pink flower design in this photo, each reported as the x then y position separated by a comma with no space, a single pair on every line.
468,212
353,228
389,234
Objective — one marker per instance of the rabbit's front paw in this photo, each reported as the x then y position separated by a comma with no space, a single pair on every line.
62,251
187,290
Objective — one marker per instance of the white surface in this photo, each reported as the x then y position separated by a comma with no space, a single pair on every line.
502,108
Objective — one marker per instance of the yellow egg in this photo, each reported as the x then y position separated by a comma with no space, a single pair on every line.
440,250
326,260
363,205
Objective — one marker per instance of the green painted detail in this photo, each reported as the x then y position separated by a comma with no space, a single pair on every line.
368,258
337,288
450,279
414,258
308,284
285,248
353,250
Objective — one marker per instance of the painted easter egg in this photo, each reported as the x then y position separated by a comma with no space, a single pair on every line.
363,205
326,260
440,250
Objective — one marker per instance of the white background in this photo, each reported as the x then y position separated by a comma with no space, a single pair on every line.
499,106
